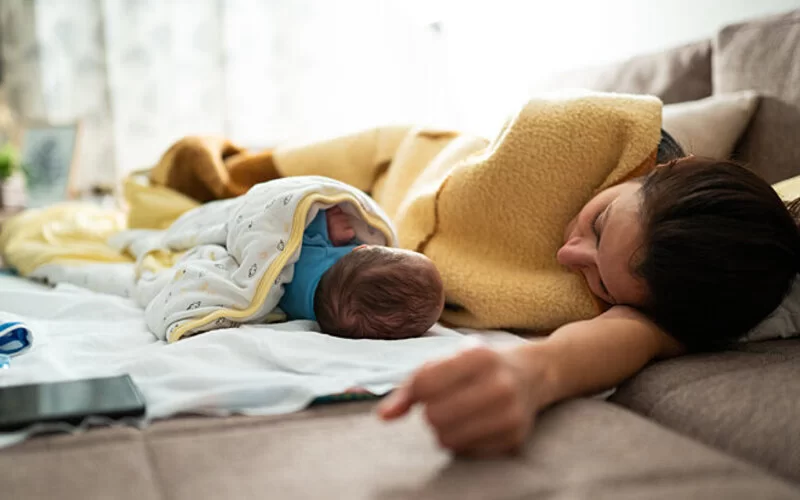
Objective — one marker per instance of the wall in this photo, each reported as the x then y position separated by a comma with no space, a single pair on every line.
496,49
569,33
140,74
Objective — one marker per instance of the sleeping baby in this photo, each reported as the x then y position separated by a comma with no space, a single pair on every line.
361,291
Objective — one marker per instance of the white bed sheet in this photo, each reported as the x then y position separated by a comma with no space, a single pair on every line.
264,369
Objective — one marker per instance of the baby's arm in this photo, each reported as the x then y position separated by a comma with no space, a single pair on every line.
340,231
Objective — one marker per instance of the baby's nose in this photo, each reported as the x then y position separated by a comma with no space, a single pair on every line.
576,253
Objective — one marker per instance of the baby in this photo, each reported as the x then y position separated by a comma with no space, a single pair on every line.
361,291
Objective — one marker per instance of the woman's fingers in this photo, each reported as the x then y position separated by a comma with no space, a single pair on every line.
435,380
475,401
483,407
439,379
466,401
506,442
496,421
395,404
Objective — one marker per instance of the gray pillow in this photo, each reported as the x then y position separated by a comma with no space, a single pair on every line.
676,75
764,56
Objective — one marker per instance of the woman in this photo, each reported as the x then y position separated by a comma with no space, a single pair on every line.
677,255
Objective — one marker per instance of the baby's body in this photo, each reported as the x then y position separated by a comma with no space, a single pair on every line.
361,291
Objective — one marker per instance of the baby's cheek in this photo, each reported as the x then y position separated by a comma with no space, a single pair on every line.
341,235
329,221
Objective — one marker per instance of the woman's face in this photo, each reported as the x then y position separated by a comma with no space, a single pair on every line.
601,241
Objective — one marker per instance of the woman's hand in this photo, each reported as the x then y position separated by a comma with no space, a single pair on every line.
482,402
479,402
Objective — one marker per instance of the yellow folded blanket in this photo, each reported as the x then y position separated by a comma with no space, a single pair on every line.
492,215
67,232
78,233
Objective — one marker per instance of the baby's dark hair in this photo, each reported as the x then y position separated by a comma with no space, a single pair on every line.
720,250
379,293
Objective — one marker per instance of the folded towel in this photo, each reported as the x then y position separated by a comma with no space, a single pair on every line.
15,336
70,231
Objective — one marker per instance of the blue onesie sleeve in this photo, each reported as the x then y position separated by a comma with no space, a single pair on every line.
317,255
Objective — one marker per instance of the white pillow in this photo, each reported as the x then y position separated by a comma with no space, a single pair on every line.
712,126
788,189
783,322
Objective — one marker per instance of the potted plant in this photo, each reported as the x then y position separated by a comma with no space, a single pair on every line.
9,163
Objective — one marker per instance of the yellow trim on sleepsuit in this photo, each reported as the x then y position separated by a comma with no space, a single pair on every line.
295,239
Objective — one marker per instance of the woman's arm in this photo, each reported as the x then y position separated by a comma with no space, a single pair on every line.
587,357
482,401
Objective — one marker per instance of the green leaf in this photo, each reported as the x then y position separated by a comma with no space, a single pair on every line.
9,160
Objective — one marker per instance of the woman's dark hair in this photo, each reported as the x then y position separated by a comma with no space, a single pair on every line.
668,149
720,250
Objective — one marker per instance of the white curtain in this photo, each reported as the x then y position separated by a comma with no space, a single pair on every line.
139,74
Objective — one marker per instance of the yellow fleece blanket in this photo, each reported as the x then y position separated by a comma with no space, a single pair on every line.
489,213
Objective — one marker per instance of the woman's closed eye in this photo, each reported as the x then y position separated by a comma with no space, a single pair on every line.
597,230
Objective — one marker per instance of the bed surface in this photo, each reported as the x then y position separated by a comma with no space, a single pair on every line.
582,449
254,369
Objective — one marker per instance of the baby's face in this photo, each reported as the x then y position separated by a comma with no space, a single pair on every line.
340,231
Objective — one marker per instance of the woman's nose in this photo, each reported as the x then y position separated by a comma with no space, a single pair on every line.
576,253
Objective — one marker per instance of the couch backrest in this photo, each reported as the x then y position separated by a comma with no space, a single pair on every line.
762,55
676,75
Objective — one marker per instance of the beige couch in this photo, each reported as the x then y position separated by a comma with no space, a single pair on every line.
725,425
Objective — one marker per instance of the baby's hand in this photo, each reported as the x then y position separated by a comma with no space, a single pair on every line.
339,229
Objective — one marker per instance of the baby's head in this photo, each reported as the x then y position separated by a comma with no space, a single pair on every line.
379,292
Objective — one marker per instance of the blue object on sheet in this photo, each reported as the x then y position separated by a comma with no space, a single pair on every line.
15,338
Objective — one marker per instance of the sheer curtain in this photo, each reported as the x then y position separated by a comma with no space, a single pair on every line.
139,74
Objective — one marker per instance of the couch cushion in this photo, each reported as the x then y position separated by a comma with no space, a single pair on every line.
712,126
744,401
581,449
676,75
763,55
111,463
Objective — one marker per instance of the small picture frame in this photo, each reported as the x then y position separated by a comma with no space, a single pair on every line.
48,156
